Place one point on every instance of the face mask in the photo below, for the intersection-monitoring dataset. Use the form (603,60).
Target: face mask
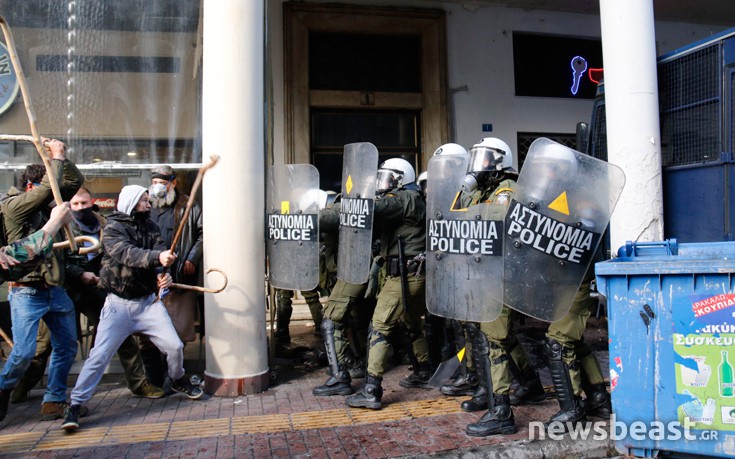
(86,216)
(141,216)
(158,190)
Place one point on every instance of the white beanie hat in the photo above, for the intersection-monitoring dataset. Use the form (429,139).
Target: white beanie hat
(129,197)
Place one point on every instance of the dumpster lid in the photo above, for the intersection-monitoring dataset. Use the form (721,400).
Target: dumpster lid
(670,257)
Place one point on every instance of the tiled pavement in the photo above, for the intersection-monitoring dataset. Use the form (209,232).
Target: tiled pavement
(284,421)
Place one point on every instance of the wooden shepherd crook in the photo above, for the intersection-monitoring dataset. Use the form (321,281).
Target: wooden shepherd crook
(187,210)
(10,43)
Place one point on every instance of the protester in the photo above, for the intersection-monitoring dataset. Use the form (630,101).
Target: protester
(40,293)
(133,251)
(167,210)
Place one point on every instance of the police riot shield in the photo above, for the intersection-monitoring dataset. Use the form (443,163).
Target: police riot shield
(292,226)
(464,256)
(359,172)
(559,212)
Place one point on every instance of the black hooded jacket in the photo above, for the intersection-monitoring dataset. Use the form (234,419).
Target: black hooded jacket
(130,261)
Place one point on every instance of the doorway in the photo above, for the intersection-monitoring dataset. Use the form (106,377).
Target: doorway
(363,74)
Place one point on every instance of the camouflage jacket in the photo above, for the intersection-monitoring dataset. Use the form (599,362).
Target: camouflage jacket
(130,259)
(30,252)
(26,212)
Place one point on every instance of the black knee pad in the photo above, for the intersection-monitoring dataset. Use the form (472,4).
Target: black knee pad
(553,349)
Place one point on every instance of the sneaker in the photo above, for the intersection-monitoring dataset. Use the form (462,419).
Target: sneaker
(72,413)
(51,411)
(184,386)
(148,390)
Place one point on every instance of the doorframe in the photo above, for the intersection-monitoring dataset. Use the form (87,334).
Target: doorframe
(428,24)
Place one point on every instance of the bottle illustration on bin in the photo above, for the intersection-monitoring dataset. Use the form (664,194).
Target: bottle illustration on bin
(726,377)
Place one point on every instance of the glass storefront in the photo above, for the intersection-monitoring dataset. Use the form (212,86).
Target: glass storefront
(119,81)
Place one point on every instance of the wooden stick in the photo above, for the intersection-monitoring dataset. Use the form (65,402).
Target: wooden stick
(196,288)
(6,338)
(17,138)
(95,247)
(194,188)
(10,43)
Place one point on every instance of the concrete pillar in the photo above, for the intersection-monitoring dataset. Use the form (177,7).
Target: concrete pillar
(233,195)
(633,133)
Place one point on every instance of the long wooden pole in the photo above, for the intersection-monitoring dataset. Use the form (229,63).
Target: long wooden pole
(194,188)
(36,137)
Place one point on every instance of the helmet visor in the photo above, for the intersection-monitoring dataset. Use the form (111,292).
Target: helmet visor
(386,180)
(485,159)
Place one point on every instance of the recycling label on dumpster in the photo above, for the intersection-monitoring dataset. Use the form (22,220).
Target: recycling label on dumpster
(703,340)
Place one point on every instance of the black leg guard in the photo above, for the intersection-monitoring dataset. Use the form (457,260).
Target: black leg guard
(328,327)
(339,381)
(370,396)
(435,337)
(570,406)
(284,310)
(497,421)
(482,398)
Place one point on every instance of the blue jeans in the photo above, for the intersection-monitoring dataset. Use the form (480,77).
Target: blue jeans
(27,307)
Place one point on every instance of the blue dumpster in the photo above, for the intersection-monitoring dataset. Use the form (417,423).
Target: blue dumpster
(671,323)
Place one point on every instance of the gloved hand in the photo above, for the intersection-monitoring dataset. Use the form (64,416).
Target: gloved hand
(374,277)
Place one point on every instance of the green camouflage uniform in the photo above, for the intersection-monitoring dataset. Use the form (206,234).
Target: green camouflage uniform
(30,251)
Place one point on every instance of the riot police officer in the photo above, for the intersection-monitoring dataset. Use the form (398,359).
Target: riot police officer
(573,367)
(340,313)
(491,179)
(400,212)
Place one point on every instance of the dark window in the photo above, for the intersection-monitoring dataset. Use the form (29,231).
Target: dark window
(543,65)
(394,133)
(352,62)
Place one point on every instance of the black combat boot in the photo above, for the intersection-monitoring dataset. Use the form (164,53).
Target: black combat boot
(369,396)
(335,385)
(529,390)
(462,385)
(498,421)
(478,402)
(4,401)
(419,378)
(597,402)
